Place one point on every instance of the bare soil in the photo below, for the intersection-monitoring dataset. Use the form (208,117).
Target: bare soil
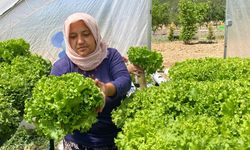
(177,51)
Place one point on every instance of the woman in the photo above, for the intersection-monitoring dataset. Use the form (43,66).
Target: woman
(89,55)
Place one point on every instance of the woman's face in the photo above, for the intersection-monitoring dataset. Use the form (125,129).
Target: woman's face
(81,39)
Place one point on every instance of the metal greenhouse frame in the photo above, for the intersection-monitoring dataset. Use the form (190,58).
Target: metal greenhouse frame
(237,37)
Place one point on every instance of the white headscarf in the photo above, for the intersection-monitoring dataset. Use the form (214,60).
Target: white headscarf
(95,58)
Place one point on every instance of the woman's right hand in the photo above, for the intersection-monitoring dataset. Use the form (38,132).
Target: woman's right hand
(132,68)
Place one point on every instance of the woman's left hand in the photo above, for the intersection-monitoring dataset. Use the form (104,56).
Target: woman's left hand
(101,85)
(108,89)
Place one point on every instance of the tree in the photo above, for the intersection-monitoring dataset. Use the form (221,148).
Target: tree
(216,10)
(215,13)
(190,13)
(210,35)
(159,14)
(172,27)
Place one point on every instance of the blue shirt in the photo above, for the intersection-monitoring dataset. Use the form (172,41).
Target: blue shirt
(112,69)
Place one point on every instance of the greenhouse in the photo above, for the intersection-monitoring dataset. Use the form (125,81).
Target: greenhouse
(124,75)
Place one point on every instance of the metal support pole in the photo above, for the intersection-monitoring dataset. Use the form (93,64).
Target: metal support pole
(228,23)
(225,41)
(149,23)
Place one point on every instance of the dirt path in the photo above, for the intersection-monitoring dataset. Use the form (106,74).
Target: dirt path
(177,51)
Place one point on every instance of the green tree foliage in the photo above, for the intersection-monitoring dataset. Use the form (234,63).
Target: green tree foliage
(210,35)
(215,13)
(190,13)
(171,32)
(173,11)
(159,14)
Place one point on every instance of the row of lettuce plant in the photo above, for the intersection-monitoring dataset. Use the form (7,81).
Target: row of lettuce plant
(211,69)
(19,72)
(198,111)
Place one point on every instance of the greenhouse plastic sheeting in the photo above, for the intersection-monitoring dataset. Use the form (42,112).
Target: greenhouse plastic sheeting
(238,11)
(123,23)
(6,4)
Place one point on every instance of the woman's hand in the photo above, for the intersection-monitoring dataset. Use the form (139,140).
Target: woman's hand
(134,69)
(108,89)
